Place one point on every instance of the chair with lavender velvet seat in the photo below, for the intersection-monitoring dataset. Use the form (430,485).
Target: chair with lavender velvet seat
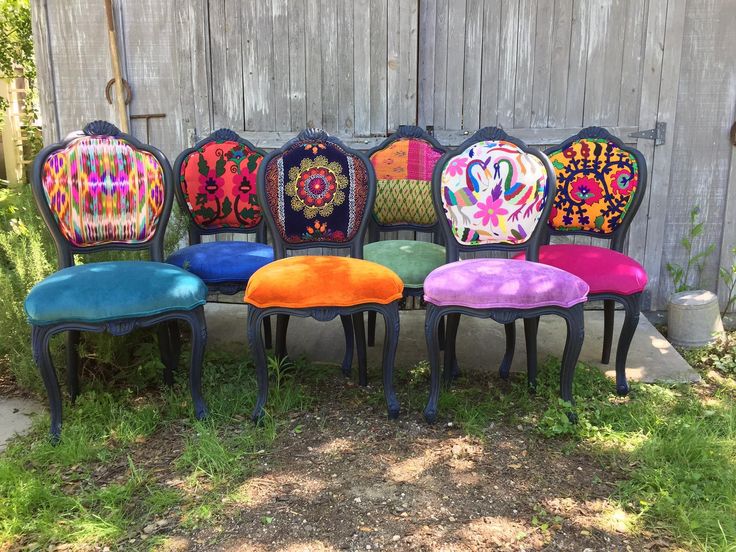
(98,190)
(600,185)
(491,194)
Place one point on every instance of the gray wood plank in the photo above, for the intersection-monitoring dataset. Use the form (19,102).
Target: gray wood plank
(394,61)
(280,66)
(425,91)
(44,71)
(328,31)
(507,63)
(313,52)
(559,63)
(455,65)
(362,66)
(227,60)
(378,55)
(525,63)
(473,65)
(409,23)
(346,100)
(577,63)
(632,62)
(542,63)
(297,64)
(490,73)
(440,63)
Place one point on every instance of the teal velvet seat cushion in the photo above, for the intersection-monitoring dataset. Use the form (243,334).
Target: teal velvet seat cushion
(98,292)
(411,260)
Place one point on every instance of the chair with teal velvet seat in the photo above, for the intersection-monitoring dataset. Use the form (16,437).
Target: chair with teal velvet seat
(404,163)
(101,189)
(216,188)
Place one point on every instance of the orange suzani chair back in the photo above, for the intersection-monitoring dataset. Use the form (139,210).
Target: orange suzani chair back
(600,184)
(217,182)
(102,187)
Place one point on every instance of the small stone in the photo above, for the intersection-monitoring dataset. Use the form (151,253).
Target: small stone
(162,522)
(357,499)
(452,518)
(150,528)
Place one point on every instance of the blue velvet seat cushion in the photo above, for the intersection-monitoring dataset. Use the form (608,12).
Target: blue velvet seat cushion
(98,292)
(223,261)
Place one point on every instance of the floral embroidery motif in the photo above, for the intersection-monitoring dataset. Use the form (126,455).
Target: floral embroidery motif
(102,190)
(316,187)
(219,184)
(596,183)
(493,192)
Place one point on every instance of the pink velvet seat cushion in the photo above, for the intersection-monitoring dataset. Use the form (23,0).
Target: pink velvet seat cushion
(604,270)
(503,283)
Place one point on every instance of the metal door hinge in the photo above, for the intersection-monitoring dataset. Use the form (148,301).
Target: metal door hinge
(658,134)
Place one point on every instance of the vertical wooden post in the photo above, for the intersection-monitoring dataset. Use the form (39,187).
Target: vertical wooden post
(12,139)
(117,73)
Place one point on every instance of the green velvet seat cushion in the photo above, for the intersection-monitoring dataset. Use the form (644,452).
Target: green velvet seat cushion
(411,260)
(98,292)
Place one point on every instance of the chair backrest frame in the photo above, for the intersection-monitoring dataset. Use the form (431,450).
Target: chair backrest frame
(66,249)
(280,245)
(453,248)
(405,132)
(618,236)
(195,230)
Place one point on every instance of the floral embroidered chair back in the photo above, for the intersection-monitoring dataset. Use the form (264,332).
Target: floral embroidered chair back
(102,187)
(404,165)
(317,192)
(493,190)
(217,183)
(600,184)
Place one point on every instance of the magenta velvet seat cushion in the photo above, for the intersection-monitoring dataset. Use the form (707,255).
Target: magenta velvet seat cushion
(503,283)
(604,270)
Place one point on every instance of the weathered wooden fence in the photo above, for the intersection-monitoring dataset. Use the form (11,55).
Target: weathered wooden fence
(542,69)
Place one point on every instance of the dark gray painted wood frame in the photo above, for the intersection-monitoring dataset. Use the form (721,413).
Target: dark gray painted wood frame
(168,333)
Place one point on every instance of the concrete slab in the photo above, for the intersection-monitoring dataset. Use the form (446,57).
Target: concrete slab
(15,413)
(480,343)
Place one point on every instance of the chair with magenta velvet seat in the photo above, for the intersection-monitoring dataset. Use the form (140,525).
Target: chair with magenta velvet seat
(101,189)
(600,185)
(216,188)
(404,163)
(316,192)
(492,193)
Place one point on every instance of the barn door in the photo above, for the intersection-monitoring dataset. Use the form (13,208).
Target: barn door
(544,69)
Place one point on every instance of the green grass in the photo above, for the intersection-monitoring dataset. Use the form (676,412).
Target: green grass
(674,446)
(93,488)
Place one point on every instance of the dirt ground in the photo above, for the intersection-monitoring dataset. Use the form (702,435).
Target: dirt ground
(343,478)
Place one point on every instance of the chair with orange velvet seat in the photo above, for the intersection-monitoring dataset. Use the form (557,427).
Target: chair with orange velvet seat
(600,185)
(316,192)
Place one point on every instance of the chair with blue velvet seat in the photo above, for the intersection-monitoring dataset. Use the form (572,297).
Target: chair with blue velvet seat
(493,193)
(99,190)
(216,188)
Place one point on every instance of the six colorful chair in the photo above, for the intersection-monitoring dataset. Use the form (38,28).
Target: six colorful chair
(492,194)
(600,185)
(101,189)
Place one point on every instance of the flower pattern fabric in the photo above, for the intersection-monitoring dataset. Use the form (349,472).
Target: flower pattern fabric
(404,182)
(596,183)
(493,192)
(103,190)
(219,184)
(317,192)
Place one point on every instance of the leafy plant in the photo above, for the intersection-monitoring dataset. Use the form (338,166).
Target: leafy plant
(681,276)
(728,277)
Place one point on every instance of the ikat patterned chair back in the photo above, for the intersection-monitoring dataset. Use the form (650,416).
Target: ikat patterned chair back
(600,183)
(317,190)
(102,187)
(217,182)
(404,165)
(492,191)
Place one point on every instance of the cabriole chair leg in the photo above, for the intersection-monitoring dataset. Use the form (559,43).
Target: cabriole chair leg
(360,348)
(282,325)
(347,361)
(259,358)
(609,311)
(632,307)
(40,343)
(531,326)
(573,344)
(508,356)
(431,327)
(391,341)
(450,364)
(199,341)
(371,328)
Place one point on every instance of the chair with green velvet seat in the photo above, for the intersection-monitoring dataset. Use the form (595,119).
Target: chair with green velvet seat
(101,189)
(404,163)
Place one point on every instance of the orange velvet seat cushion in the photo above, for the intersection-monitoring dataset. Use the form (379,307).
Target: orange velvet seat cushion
(324,281)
